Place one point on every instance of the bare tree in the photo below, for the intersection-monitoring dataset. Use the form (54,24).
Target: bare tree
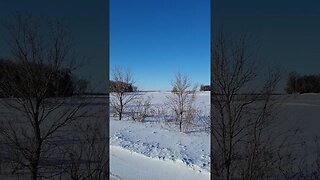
(122,91)
(182,100)
(242,116)
(140,109)
(42,51)
(162,113)
(87,155)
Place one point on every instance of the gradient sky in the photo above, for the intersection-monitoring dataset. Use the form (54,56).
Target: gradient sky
(157,38)
(288,31)
(87,21)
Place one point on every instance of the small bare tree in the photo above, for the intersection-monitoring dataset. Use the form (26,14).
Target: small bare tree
(182,99)
(37,114)
(162,113)
(140,109)
(121,91)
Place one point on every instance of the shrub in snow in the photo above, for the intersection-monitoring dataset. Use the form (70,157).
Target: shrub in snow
(140,109)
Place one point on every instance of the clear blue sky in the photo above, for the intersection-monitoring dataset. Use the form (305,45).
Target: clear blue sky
(288,31)
(157,38)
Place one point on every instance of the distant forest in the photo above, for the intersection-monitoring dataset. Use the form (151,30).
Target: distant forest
(62,82)
(205,88)
(297,83)
(116,86)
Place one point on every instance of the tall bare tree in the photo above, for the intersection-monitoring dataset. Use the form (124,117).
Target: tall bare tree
(242,115)
(182,99)
(122,90)
(41,51)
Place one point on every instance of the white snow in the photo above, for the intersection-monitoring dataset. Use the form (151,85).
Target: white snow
(302,110)
(155,150)
(126,164)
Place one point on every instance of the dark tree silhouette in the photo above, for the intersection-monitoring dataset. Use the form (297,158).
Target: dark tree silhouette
(39,70)
(302,84)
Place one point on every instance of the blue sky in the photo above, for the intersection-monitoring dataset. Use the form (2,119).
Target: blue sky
(157,38)
(287,31)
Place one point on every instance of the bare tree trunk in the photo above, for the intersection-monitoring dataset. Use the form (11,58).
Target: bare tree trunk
(180,121)
(34,164)
(36,154)
(121,108)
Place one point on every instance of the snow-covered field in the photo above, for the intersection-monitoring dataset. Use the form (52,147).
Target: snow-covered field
(303,111)
(156,150)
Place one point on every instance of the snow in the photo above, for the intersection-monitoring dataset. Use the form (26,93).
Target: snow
(126,164)
(153,149)
(302,110)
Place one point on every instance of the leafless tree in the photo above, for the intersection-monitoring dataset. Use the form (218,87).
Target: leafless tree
(182,100)
(249,141)
(140,109)
(202,122)
(122,89)
(162,112)
(242,116)
(87,156)
(37,118)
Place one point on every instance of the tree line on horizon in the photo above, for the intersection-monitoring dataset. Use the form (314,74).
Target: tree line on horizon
(128,87)
(62,83)
(297,83)
(205,88)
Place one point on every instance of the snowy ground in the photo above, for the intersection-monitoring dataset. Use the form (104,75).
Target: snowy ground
(139,167)
(303,111)
(152,149)
(68,137)
(155,150)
